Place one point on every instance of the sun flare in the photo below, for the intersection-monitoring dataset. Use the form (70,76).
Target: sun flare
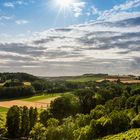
(65,3)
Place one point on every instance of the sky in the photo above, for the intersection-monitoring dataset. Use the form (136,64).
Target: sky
(70,37)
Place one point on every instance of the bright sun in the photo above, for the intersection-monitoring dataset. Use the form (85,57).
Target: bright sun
(65,3)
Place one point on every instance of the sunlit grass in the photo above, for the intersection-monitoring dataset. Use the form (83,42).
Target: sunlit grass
(3,110)
(27,83)
(41,97)
(84,79)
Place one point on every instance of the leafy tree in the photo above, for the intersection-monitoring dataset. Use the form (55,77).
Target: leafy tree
(135,122)
(13,122)
(38,85)
(25,122)
(82,133)
(38,132)
(135,91)
(44,116)
(95,129)
(68,127)
(87,100)
(137,103)
(53,131)
(64,106)
(120,121)
(33,114)
(98,112)
(82,120)
(130,102)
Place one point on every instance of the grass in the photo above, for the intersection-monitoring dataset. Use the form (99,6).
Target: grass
(1,84)
(27,83)
(41,97)
(34,98)
(84,79)
(133,134)
(3,109)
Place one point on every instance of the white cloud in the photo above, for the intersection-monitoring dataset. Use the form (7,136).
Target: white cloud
(96,46)
(6,17)
(120,11)
(127,5)
(14,3)
(94,10)
(9,4)
(19,22)
(78,8)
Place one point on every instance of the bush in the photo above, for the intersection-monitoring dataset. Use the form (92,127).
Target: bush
(135,123)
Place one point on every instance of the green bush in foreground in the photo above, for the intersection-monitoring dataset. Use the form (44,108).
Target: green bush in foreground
(133,134)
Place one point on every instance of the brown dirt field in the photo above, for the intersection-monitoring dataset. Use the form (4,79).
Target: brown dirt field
(39,104)
(131,82)
(125,81)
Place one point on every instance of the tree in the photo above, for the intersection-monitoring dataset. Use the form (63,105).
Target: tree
(64,106)
(25,122)
(13,122)
(120,121)
(44,116)
(68,127)
(135,123)
(87,100)
(137,103)
(38,85)
(82,133)
(38,132)
(53,131)
(32,116)
(98,112)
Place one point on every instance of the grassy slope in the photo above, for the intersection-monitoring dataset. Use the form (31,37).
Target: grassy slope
(133,134)
(84,79)
(3,111)
(41,97)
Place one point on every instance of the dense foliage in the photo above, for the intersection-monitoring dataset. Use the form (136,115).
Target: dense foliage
(16,92)
(91,111)
(20,76)
(20,120)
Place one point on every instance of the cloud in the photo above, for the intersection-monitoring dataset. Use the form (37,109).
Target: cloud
(95,11)
(6,17)
(110,44)
(127,5)
(19,22)
(109,47)
(120,12)
(9,4)
(78,8)
(14,3)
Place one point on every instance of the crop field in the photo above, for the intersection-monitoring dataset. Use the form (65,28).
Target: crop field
(133,134)
(125,80)
(42,101)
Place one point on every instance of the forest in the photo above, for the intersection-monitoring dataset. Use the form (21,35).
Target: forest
(86,110)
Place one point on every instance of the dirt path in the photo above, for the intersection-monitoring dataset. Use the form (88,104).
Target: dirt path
(45,103)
